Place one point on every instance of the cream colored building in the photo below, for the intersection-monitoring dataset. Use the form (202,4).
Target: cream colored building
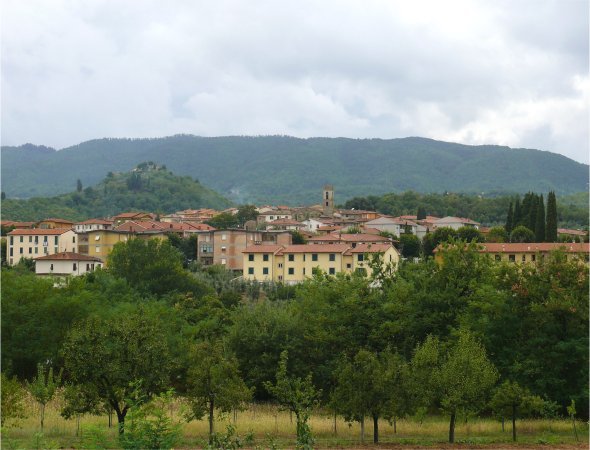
(294,263)
(32,243)
(66,264)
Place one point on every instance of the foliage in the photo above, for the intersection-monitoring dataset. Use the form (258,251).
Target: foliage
(224,221)
(269,169)
(497,234)
(214,382)
(13,398)
(297,395)
(111,354)
(410,245)
(143,189)
(551,227)
(297,238)
(469,234)
(229,440)
(43,388)
(522,234)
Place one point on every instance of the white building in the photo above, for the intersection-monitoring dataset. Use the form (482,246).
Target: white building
(455,223)
(66,264)
(93,225)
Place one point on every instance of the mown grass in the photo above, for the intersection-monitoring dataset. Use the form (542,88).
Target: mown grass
(269,425)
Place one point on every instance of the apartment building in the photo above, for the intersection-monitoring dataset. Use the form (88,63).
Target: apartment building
(295,263)
(32,243)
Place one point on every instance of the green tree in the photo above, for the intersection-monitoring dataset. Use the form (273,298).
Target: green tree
(517,214)
(470,234)
(522,234)
(79,401)
(540,221)
(440,235)
(298,396)
(497,234)
(110,355)
(13,400)
(551,226)
(297,238)
(421,214)
(42,389)
(214,382)
(410,245)
(246,213)
(152,266)
(224,221)
(78,185)
(511,400)
(509,220)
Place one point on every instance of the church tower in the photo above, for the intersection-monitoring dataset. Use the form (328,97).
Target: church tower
(328,200)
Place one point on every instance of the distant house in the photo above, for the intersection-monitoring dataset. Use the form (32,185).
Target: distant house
(136,216)
(285,224)
(350,239)
(455,223)
(32,243)
(54,223)
(572,235)
(66,264)
(93,225)
(272,215)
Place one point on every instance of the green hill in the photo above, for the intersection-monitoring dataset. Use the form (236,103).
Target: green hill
(147,188)
(281,169)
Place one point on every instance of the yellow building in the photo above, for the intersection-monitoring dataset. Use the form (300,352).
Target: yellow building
(32,243)
(294,263)
(526,252)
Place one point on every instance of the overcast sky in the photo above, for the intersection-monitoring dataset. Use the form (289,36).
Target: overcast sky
(477,72)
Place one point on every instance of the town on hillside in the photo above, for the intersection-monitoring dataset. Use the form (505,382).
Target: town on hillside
(273,243)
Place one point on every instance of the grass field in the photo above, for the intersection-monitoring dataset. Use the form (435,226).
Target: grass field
(272,427)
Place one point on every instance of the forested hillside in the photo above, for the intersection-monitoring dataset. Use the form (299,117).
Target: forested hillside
(147,188)
(281,169)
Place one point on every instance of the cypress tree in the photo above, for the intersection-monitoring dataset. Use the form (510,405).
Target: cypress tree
(540,221)
(551,225)
(517,214)
(509,220)
(421,213)
(532,216)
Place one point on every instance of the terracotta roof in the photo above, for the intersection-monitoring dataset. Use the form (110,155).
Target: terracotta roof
(12,223)
(316,248)
(572,232)
(285,222)
(360,237)
(450,219)
(324,238)
(95,222)
(55,219)
(535,247)
(370,248)
(131,215)
(67,256)
(263,249)
(39,231)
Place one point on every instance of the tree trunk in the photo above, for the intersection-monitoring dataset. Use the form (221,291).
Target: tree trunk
(394,425)
(211,412)
(452,428)
(335,430)
(42,416)
(575,431)
(110,417)
(502,424)
(514,422)
(375,429)
(121,419)
(77,424)
(363,429)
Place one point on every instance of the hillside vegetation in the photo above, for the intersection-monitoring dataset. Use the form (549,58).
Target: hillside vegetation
(281,169)
(148,188)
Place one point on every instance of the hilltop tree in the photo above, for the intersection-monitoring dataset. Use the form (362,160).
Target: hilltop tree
(78,185)
(421,214)
(551,226)
(497,234)
(522,234)
(517,220)
(43,388)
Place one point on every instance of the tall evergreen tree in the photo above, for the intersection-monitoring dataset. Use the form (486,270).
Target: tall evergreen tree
(540,221)
(551,226)
(532,216)
(421,214)
(509,220)
(517,214)
(78,185)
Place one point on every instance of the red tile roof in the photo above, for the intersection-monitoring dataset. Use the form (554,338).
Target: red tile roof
(38,231)
(316,248)
(572,232)
(370,248)
(285,222)
(535,247)
(263,249)
(53,219)
(68,256)
(95,222)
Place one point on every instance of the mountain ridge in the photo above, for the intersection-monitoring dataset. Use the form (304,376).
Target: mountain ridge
(284,169)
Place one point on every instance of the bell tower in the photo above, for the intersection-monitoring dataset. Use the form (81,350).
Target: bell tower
(328,200)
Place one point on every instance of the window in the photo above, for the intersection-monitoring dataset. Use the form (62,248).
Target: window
(74,266)
(314,256)
(512,258)
(11,251)
(304,271)
(55,240)
(98,266)
(44,238)
(87,267)
(498,258)
(360,257)
(11,240)
(523,258)
(250,270)
(21,238)
(304,257)
(280,265)
(97,249)
(223,261)
(332,256)
(265,271)
(349,266)
(265,257)
(291,258)
(223,237)
(327,197)
(51,267)
(332,271)
(292,271)
(73,239)
(30,250)
(533,258)
(21,250)
(250,257)
(31,238)
(36,250)
(223,248)
(280,278)
(97,238)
